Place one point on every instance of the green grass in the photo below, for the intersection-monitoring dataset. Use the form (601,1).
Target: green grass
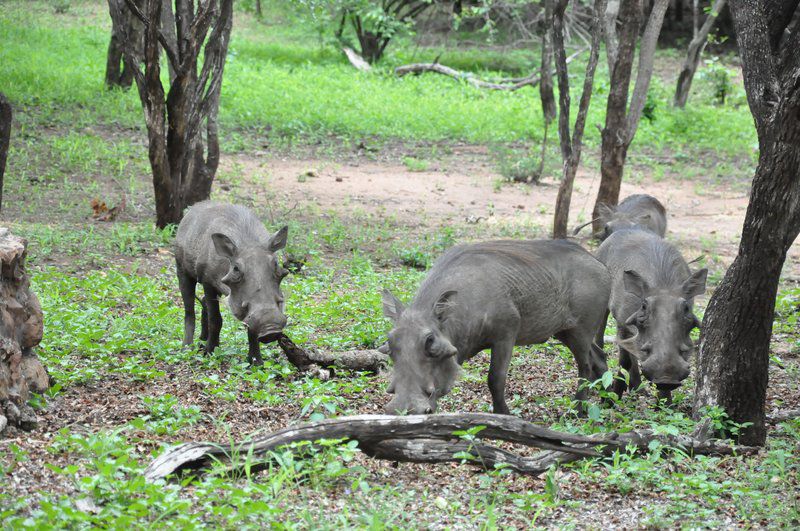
(307,92)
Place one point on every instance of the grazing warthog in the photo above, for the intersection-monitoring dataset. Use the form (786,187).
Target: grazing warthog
(494,295)
(639,211)
(651,299)
(227,249)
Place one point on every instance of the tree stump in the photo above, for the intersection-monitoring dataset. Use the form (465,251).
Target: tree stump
(21,327)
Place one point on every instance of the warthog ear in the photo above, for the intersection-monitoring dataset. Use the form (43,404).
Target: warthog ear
(635,284)
(224,245)
(278,240)
(392,307)
(443,308)
(440,347)
(696,284)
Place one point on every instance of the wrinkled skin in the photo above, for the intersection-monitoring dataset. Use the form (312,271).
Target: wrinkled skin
(652,296)
(227,249)
(494,295)
(638,211)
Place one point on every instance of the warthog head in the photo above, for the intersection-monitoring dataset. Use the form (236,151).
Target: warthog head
(425,361)
(254,279)
(658,331)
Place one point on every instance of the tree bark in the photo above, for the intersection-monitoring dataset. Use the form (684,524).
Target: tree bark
(5,138)
(429,438)
(622,118)
(693,54)
(571,147)
(21,328)
(734,344)
(182,123)
(126,31)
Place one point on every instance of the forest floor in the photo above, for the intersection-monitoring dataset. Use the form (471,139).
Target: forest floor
(184,396)
(373,191)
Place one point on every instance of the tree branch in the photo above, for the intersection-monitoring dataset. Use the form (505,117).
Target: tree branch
(644,72)
(501,84)
(162,39)
(429,438)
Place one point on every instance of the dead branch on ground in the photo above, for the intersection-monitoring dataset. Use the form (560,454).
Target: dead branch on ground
(431,439)
(510,84)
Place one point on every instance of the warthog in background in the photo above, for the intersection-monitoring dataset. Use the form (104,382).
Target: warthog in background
(227,249)
(639,211)
(651,300)
(494,295)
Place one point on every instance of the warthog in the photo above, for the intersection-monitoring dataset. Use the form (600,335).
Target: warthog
(640,211)
(651,300)
(227,249)
(494,295)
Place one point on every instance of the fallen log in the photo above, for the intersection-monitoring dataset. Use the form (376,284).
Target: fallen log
(430,439)
(510,84)
(353,360)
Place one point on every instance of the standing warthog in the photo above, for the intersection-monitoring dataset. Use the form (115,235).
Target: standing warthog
(227,249)
(651,300)
(494,295)
(639,211)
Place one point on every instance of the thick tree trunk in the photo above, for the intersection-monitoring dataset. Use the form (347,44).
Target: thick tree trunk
(5,139)
(736,331)
(693,54)
(21,327)
(734,347)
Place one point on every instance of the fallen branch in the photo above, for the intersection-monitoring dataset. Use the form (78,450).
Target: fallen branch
(429,438)
(509,84)
(356,60)
(354,360)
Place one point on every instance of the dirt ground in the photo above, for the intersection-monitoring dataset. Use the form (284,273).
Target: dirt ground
(703,217)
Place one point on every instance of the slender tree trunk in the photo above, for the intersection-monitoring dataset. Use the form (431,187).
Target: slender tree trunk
(571,148)
(5,138)
(126,30)
(734,344)
(168,27)
(546,94)
(693,54)
(622,119)
(614,145)
(259,12)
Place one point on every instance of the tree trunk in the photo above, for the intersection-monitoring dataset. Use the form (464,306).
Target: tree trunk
(622,118)
(614,147)
(126,30)
(259,12)
(5,138)
(182,124)
(571,147)
(693,54)
(21,327)
(734,344)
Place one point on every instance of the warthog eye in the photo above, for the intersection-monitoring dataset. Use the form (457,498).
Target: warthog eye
(429,343)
